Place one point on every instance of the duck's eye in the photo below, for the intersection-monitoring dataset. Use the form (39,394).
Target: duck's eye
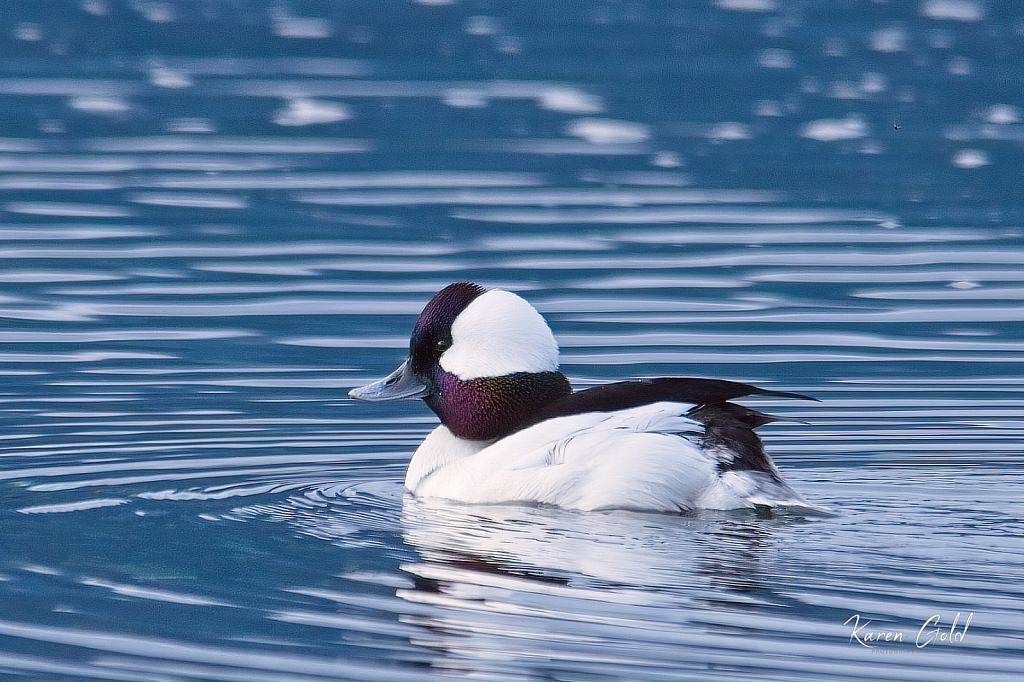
(442,345)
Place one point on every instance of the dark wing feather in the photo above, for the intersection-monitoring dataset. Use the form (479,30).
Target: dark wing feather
(729,435)
(626,394)
(728,428)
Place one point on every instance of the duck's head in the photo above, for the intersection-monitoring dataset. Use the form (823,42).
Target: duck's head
(482,360)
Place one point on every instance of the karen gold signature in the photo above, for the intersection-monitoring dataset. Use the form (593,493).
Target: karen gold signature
(931,632)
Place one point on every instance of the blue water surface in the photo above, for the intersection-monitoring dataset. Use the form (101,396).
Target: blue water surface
(217,217)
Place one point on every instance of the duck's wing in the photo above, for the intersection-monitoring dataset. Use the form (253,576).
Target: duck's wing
(627,394)
(657,405)
(747,474)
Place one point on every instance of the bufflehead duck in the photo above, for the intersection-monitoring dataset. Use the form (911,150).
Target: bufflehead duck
(514,431)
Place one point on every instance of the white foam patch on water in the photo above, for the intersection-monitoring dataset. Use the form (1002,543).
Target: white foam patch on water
(347,342)
(481,25)
(28,32)
(570,101)
(852,127)
(755,357)
(174,79)
(20,146)
(971,158)
(97,8)
(960,66)
(873,83)
(844,89)
(96,104)
(222,289)
(465,98)
(1003,114)
(603,131)
(229,145)
(869,274)
(557,147)
(538,197)
(190,201)
(730,131)
(387,179)
(769,107)
(870,85)
(156,11)
(66,163)
(190,125)
(748,5)
(986,131)
(596,304)
(545,243)
(306,28)
(291,87)
(73,184)
(955,291)
(903,315)
(52,275)
(666,159)
(53,208)
(776,58)
(658,281)
(638,177)
(73,87)
(813,339)
(83,356)
(563,98)
(140,592)
(746,235)
(120,335)
(236,66)
(785,264)
(284,306)
(73,506)
(304,112)
(889,40)
(660,215)
(956,10)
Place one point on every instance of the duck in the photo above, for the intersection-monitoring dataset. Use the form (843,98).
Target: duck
(514,431)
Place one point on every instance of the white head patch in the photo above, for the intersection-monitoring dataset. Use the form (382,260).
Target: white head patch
(497,334)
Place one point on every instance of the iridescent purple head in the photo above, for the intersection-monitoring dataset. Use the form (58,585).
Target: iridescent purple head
(483,361)
(432,334)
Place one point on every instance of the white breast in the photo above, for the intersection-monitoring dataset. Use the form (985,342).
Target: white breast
(645,458)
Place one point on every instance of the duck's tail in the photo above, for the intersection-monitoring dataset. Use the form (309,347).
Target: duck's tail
(747,472)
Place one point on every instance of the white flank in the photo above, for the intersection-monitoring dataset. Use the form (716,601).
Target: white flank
(630,459)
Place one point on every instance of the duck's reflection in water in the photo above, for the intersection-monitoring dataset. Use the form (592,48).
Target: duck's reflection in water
(497,591)
(501,578)
(722,550)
